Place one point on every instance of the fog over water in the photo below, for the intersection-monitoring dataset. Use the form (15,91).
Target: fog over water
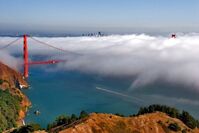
(155,69)
(146,58)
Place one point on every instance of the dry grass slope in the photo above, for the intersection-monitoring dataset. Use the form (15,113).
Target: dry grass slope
(107,123)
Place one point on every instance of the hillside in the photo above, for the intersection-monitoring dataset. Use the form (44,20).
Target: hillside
(157,122)
(12,98)
(11,76)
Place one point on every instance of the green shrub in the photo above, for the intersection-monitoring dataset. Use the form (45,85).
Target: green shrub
(118,114)
(62,120)
(9,108)
(185,117)
(66,120)
(83,114)
(28,128)
(24,129)
(73,118)
(188,120)
(162,108)
(184,131)
(174,127)
(1,81)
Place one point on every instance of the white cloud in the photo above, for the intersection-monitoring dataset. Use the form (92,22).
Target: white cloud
(10,60)
(146,58)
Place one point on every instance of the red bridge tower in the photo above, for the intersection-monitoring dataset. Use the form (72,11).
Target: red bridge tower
(25,56)
(26,61)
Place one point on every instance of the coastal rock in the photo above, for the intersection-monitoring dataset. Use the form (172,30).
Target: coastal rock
(11,76)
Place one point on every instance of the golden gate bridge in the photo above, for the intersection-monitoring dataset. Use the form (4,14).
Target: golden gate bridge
(26,61)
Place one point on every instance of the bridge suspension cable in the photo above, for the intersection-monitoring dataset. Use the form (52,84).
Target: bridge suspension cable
(25,53)
(10,43)
(54,47)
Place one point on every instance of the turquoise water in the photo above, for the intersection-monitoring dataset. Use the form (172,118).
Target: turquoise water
(56,93)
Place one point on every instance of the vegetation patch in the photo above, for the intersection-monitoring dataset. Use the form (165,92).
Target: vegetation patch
(66,120)
(184,131)
(121,115)
(164,127)
(1,81)
(174,127)
(9,108)
(27,129)
(185,117)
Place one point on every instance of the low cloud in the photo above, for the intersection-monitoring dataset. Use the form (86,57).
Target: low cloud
(146,58)
(8,59)
(143,57)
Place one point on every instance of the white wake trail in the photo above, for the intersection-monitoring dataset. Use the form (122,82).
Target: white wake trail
(135,99)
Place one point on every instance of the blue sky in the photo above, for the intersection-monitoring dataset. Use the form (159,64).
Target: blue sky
(61,16)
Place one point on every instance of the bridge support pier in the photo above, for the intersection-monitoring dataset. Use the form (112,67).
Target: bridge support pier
(25,56)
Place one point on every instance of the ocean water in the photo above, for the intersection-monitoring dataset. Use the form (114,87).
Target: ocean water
(67,92)
(56,93)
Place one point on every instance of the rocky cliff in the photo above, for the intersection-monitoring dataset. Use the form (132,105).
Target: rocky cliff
(11,77)
(107,123)
(13,80)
